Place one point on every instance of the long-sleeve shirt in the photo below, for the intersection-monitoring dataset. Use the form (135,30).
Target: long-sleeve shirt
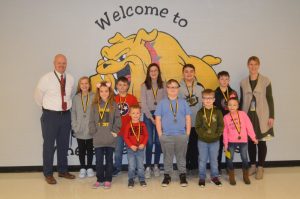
(124,104)
(147,98)
(231,134)
(131,139)
(101,128)
(48,94)
(213,132)
(80,119)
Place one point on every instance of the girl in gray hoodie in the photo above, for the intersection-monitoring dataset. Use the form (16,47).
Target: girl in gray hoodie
(80,115)
(104,124)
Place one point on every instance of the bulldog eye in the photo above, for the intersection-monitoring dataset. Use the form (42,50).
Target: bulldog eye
(121,58)
(105,59)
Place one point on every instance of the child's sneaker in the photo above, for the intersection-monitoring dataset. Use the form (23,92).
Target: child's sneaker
(130,183)
(107,185)
(96,185)
(183,181)
(148,173)
(166,181)
(143,183)
(216,181)
(82,173)
(202,183)
(156,171)
(90,173)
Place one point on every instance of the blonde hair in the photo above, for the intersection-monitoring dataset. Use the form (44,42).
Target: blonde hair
(97,97)
(78,85)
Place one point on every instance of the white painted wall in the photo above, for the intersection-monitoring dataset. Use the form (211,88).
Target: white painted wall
(32,32)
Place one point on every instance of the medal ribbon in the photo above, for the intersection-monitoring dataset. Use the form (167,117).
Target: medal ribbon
(101,113)
(154,92)
(136,135)
(237,125)
(187,88)
(86,103)
(172,109)
(210,117)
(226,97)
(122,103)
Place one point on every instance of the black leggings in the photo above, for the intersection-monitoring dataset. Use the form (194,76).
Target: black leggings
(192,151)
(85,147)
(262,152)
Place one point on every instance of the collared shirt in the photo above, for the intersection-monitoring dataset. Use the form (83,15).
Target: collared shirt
(48,94)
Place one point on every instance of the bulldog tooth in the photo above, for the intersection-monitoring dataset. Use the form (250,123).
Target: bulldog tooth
(102,77)
(115,75)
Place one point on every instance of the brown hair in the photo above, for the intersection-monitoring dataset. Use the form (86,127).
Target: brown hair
(253,58)
(135,106)
(170,81)
(97,99)
(78,85)
(188,66)
(208,91)
(223,73)
(148,80)
(122,79)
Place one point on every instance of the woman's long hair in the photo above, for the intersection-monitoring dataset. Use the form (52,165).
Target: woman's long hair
(148,80)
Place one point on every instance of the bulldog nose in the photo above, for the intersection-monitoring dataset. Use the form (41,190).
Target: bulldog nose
(105,65)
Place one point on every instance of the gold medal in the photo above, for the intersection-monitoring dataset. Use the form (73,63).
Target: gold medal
(191,100)
(86,102)
(226,97)
(154,94)
(237,124)
(101,113)
(136,135)
(172,109)
(210,116)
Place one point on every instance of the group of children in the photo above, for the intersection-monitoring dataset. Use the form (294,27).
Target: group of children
(107,122)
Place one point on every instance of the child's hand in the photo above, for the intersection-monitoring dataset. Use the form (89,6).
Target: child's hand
(134,148)
(255,141)
(114,134)
(141,146)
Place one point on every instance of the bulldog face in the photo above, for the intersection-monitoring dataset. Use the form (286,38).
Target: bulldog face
(130,57)
(124,57)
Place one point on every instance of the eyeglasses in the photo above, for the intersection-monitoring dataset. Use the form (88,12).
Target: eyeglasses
(208,98)
(172,87)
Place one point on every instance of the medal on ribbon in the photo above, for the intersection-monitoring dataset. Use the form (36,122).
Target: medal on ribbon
(138,134)
(101,112)
(154,94)
(210,118)
(174,111)
(84,107)
(237,125)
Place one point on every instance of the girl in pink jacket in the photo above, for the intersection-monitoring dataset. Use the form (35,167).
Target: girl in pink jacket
(237,128)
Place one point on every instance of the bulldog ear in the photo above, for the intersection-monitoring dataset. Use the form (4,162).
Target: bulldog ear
(116,39)
(142,35)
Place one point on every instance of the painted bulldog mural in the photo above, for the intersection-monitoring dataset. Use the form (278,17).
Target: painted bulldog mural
(130,56)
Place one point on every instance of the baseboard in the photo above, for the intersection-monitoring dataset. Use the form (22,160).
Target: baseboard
(20,169)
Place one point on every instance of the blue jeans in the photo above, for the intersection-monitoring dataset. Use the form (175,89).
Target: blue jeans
(119,153)
(136,161)
(208,151)
(152,139)
(243,152)
(104,173)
